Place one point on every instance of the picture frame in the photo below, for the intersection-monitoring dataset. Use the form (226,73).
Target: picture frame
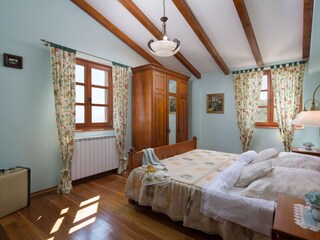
(172,105)
(215,103)
(13,61)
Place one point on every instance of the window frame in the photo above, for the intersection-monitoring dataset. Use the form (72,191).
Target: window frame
(88,125)
(270,106)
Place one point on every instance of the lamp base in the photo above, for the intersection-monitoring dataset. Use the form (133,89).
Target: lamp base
(308,148)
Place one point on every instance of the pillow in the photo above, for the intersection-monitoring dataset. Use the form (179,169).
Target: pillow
(253,172)
(290,181)
(265,155)
(294,160)
(247,156)
(231,174)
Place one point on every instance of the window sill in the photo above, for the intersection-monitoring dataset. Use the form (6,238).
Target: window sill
(276,127)
(267,127)
(94,133)
(94,129)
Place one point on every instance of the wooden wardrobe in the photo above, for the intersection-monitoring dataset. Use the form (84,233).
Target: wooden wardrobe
(159,107)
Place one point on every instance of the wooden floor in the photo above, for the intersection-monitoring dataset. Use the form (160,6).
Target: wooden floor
(94,210)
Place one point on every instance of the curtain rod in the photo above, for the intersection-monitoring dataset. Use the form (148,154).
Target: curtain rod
(271,66)
(47,43)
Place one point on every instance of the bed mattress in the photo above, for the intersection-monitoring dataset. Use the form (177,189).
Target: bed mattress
(180,199)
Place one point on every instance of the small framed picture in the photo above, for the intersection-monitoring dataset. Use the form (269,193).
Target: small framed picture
(14,61)
(215,103)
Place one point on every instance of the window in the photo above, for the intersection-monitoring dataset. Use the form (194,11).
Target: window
(93,96)
(266,116)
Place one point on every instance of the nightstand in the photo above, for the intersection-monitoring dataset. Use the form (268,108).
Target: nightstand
(284,227)
(314,151)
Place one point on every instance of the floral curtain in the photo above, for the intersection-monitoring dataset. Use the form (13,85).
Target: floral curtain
(287,83)
(120,75)
(63,62)
(247,86)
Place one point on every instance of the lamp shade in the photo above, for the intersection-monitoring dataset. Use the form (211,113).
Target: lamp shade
(164,48)
(307,118)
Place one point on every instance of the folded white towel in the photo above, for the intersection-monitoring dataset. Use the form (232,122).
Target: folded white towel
(149,157)
(160,177)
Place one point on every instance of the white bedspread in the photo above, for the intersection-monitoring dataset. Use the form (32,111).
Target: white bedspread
(221,199)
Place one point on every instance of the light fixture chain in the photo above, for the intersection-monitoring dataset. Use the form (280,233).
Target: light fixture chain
(164,19)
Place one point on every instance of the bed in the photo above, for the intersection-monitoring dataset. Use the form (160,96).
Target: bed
(196,192)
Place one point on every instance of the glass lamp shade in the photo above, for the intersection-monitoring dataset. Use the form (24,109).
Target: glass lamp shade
(307,118)
(164,48)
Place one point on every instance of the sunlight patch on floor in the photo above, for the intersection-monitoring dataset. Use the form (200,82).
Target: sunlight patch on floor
(87,208)
(57,225)
(63,211)
(91,200)
(82,225)
(86,212)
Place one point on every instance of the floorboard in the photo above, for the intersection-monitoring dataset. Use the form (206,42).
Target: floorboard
(93,210)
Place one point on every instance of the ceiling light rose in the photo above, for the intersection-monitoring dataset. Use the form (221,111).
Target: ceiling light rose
(164,47)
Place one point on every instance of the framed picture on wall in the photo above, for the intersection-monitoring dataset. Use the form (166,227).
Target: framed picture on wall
(14,61)
(215,103)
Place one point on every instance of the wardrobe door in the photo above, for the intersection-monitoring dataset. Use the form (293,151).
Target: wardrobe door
(172,109)
(142,114)
(183,111)
(159,110)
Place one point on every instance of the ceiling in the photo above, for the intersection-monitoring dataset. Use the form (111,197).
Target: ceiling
(215,35)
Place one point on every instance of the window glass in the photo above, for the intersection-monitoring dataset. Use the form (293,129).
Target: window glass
(99,96)
(79,114)
(79,94)
(264,82)
(99,77)
(99,114)
(262,115)
(263,100)
(275,115)
(79,74)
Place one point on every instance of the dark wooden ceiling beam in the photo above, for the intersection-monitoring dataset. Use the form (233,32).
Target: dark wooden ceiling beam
(113,29)
(246,23)
(307,27)
(142,18)
(186,12)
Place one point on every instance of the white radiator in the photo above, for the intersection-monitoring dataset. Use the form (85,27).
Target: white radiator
(94,155)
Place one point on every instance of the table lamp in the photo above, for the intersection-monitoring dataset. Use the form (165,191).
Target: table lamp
(309,118)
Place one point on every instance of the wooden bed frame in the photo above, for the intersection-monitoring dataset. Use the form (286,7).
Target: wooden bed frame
(135,158)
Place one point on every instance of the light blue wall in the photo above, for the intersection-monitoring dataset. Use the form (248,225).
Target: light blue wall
(28,135)
(220,131)
(214,131)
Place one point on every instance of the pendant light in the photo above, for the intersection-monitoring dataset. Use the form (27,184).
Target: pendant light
(164,47)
